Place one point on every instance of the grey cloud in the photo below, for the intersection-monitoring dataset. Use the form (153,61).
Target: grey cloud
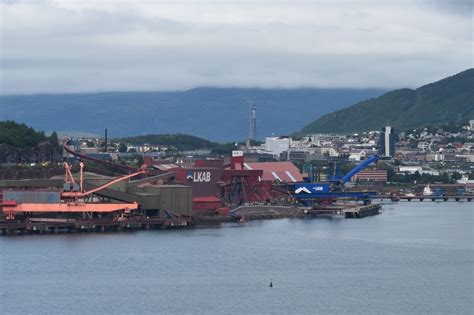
(68,49)
(460,7)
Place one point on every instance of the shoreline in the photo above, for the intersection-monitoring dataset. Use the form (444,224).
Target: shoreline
(40,226)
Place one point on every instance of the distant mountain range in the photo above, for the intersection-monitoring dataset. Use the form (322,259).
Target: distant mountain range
(217,114)
(447,100)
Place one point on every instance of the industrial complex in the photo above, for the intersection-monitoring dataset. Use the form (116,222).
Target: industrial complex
(161,194)
(268,180)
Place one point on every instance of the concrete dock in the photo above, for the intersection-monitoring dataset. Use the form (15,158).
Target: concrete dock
(348,211)
(56,225)
(467,198)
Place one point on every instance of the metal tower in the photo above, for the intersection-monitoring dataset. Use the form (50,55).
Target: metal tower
(253,122)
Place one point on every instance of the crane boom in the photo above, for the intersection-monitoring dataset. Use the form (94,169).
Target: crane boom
(333,188)
(371,159)
(80,194)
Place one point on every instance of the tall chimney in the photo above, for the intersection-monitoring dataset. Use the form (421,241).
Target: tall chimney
(253,122)
(105,143)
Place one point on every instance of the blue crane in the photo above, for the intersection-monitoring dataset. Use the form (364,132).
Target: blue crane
(333,188)
(337,184)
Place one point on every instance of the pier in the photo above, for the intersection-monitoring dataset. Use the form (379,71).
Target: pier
(460,198)
(57,225)
(350,212)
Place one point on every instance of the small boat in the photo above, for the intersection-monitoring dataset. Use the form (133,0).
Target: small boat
(427,191)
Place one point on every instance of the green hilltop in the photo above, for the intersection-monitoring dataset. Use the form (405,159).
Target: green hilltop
(20,143)
(22,136)
(448,100)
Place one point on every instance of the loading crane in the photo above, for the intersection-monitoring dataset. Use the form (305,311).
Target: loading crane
(335,187)
(72,198)
(71,189)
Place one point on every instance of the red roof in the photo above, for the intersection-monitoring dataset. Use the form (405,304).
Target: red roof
(272,171)
(165,167)
(206,199)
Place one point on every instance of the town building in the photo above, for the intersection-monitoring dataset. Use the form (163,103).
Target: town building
(387,141)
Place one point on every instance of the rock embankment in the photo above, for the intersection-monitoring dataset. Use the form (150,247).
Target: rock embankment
(42,152)
(248,213)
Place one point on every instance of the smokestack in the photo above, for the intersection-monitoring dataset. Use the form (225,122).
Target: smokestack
(253,122)
(105,144)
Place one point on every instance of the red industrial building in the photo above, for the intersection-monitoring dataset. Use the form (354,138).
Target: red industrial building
(284,172)
(217,185)
(371,175)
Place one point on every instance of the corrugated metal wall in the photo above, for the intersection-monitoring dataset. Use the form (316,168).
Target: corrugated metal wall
(32,196)
(121,186)
(174,198)
(148,201)
(177,199)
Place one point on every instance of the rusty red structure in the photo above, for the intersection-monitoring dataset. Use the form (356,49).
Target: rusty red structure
(74,199)
(217,185)
(242,185)
(209,186)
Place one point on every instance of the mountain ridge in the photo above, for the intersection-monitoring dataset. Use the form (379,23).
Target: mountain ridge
(446,100)
(217,114)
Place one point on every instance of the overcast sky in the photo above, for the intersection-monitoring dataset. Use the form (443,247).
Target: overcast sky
(123,45)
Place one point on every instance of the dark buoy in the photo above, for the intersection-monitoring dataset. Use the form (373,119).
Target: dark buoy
(271,283)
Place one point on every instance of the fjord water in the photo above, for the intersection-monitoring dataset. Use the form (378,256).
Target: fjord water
(413,258)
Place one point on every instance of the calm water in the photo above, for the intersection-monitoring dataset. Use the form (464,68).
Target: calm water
(413,258)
